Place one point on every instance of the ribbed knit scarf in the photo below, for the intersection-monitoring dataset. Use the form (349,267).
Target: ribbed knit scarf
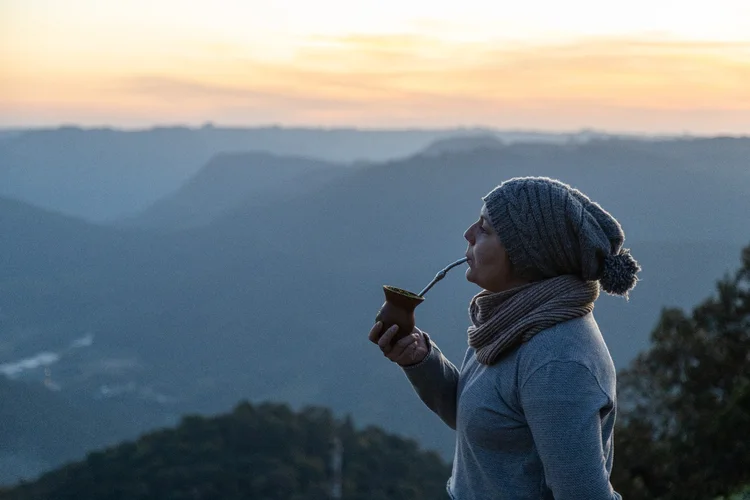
(502,320)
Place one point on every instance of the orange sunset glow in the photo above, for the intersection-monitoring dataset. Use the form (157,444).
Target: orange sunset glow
(637,67)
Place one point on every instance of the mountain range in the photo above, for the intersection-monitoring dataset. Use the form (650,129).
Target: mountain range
(259,277)
(104,174)
(233,179)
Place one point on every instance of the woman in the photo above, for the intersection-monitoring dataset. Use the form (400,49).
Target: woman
(533,404)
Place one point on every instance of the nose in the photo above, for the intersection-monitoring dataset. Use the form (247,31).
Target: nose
(469,234)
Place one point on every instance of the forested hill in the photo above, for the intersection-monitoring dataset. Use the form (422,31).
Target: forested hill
(259,451)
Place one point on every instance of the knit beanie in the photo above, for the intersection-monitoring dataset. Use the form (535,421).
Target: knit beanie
(549,229)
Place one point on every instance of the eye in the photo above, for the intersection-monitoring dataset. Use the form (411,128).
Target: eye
(482,229)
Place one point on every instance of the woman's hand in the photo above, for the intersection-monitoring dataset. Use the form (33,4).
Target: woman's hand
(410,350)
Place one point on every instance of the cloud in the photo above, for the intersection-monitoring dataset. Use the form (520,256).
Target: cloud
(408,68)
(412,79)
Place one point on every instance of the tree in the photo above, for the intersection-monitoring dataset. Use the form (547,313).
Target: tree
(684,427)
(265,451)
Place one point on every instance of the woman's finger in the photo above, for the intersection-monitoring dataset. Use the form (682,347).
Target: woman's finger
(406,341)
(402,346)
(414,351)
(385,339)
(375,332)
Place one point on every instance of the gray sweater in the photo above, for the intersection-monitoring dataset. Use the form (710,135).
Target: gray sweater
(538,424)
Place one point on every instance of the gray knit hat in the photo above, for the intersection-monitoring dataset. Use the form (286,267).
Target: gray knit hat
(549,229)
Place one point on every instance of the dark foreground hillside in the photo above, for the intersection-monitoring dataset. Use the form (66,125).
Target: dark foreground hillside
(262,451)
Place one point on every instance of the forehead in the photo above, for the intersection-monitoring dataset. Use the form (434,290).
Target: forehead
(483,212)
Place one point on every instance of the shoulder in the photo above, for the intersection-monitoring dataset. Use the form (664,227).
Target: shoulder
(576,343)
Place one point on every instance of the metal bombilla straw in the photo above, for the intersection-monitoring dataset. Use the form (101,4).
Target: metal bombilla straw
(441,275)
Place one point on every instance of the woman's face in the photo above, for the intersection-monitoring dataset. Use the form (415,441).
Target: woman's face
(489,265)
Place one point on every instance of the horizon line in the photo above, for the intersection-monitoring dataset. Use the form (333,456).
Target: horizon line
(209,124)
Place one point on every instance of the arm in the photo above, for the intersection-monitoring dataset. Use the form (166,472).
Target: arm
(562,401)
(435,379)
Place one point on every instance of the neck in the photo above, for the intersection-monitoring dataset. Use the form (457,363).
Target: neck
(508,285)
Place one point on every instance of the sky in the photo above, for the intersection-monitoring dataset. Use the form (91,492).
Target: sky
(644,66)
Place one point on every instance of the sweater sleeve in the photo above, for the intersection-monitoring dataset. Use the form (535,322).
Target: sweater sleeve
(435,380)
(562,401)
